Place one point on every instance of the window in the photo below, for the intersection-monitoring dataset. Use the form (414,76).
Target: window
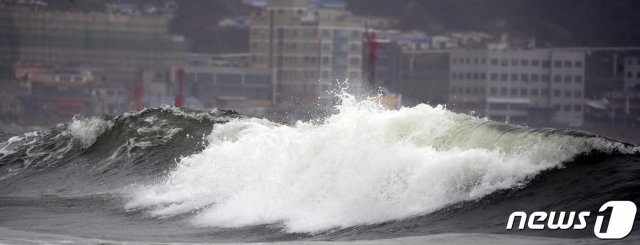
(454,60)
(514,91)
(544,92)
(453,75)
(557,92)
(453,90)
(546,78)
(504,77)
(568,78)
(566,108)
(534,92)
(578,64)
(504,62)
(524,77)
(535,77)
(535,63)
(557,64)
(577,108)
(354,47)
(493,91)
(514,77)
(524,92)
(494,76)
(546,64)
(524,62)
(494,61)
(568,63)
(514,62)
(354,61)
(208,77)
(557,78)
(577,94)
(503,91)
(629,75)
(567,93)
(577,79)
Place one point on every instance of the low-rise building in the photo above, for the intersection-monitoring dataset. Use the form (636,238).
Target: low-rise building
(545,85)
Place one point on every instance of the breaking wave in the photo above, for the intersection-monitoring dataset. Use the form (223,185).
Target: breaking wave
(363,165)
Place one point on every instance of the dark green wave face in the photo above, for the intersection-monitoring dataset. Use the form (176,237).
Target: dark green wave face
(176,175)
(98,153)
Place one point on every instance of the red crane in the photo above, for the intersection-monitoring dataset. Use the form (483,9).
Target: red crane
(370,39)
(180,97)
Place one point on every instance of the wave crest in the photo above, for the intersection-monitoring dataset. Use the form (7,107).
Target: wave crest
(363,165)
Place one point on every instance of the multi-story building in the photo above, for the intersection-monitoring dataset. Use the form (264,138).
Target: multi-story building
(306,46)
(245,89)
(545,85)
(122,44)
(632,73)
(425,77)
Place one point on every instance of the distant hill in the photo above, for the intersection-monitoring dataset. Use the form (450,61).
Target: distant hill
(554,23)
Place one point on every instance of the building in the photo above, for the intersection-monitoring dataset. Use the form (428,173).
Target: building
(244,89)
(425,77)
(12,107)
(121,43)
(307,46)
(534,85)
(632,73)
(111,99)
(385,68)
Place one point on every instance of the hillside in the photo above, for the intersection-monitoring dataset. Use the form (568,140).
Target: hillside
(552,22)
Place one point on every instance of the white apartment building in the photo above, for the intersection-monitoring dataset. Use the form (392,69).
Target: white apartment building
(631,73)
(519,85)
(307,47)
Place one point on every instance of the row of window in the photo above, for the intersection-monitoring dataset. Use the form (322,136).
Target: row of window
(514,77)
(308,32)
(567,93)
(312,60)
(630,75)
(557,107)
(518,62)
(567,107)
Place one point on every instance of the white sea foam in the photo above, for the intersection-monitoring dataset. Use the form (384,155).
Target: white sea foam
(87,130)
(363,165)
